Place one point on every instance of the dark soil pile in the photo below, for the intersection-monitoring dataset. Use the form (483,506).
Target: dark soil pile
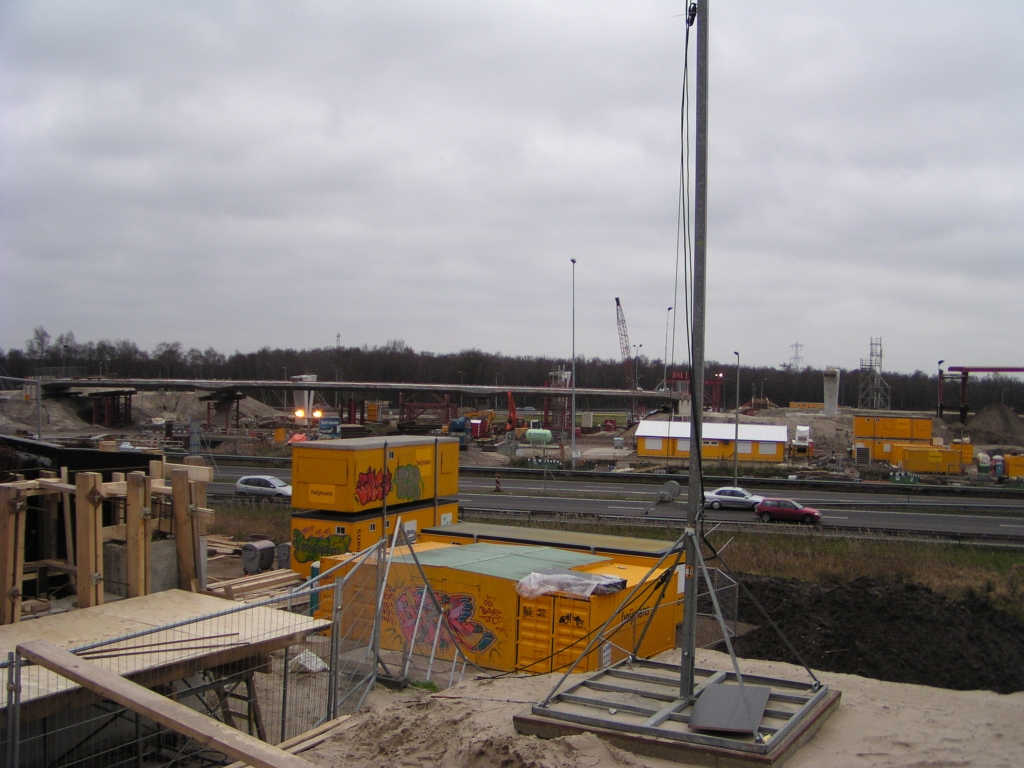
(902,633)
(996,424)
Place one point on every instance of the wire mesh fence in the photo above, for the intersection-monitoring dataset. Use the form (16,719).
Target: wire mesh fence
(273,669)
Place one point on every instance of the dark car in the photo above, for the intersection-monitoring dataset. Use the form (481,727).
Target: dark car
(786,509)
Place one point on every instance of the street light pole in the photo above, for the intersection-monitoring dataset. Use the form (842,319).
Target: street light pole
(736,436)
(573,425)
(664,373)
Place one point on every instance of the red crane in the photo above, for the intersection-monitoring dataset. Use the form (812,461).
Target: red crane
(627,359)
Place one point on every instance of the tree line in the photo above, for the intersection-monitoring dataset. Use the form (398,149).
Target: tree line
(396,361)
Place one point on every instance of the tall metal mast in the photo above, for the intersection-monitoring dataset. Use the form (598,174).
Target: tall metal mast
(695,498)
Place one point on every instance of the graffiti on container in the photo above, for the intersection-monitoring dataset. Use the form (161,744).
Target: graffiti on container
(571,618)
(373,485)
(458,610)
(492,614)
(408,483)
(310,548)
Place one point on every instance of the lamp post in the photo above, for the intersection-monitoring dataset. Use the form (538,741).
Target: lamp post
(462,381)
(664,373)
(736,436)
(573,410)
(636,365)
(938,409)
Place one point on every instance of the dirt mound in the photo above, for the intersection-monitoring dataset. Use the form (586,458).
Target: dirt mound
(182,406)
(996,424)
(903,633)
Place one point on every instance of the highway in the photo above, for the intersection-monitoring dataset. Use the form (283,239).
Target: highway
(966,516)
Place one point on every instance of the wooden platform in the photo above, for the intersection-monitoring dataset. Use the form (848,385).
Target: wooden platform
(156,658)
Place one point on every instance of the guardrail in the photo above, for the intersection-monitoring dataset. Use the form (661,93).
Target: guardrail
(755,483)
(674,524)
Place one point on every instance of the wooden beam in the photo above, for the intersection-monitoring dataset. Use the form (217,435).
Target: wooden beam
(48,519)
(61,485)
(89,531)
(115,489)
(194,473)
(135,534)
(12,553)
(69,537)
(184,532)
(115,532)
(179,718)
(156,469)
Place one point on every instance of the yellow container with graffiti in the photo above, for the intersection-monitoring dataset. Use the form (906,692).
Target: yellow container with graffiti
(496,627)
(317,535)
(354,475)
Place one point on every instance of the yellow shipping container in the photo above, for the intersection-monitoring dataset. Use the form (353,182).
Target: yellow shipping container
(351,476)
(928,460)
(1013,466)
(499,629)
(892,428)
(316,535)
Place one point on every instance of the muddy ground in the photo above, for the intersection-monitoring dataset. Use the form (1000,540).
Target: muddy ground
(902,633)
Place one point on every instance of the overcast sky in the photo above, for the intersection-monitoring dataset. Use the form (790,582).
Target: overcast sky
(249,174)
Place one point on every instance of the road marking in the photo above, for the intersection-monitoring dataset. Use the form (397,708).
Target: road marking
(834,517)
(633,509)
(1008,525)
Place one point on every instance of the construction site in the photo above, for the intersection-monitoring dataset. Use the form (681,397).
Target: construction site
(243,568)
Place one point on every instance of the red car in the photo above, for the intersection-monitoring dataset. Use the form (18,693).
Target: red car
(786,509)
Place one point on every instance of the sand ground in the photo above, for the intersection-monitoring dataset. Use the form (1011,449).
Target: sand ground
(877,724)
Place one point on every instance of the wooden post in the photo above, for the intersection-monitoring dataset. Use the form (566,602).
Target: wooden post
(136,562)
(89,530)
(12,553)
(48,520)
(150,524)
(183,531)
(69,534)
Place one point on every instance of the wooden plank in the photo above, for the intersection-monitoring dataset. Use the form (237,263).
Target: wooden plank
(194,473)
(89,530)
(135,531)
(156,469)
(115,489)
(168,713)
(47,484)
(114,533)
(184,532)
(306,740)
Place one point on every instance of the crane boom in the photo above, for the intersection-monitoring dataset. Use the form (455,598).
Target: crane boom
(627,358)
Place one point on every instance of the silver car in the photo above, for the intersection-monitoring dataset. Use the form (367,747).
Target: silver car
(736,498)
(263,485)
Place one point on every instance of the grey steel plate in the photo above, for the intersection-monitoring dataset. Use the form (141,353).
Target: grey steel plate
(730,708)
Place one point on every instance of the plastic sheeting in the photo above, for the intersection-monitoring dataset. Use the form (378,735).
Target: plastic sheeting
(570,582)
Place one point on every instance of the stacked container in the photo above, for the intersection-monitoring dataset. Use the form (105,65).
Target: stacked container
(346,494)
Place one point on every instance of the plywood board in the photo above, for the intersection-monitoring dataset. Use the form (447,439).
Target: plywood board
(167,712)
(238,635)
